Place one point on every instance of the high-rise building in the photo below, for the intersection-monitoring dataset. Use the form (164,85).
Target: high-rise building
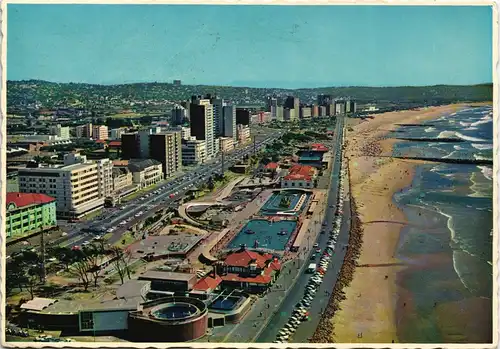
(84,131)
(177,82)
(229,124)
(292,103)
(322,111)
(167,148)
(74,186)
(193,152)
(242,116)
(105,177)
(243,133)
(272,106)
(217,105)
(116,133)
(100,132)
(279,113)
(201,122)
(330,109)
(62,132)
(339,107)
(130,147)
(179,115)
(324,100)
(315,111)
(305,112)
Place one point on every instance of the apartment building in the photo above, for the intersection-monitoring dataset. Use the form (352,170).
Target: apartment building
(116,133)
(242,116)
(62,132)
(100,132)
(194,152)
(84,131)
(218,105)
(227,144)
(243,134)
(145,172)
(202,123)
(74,186)
(105,177)
(305,112)
(28,213)
(167,148)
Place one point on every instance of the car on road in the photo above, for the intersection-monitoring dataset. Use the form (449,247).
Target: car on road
(318,250)
(315,245)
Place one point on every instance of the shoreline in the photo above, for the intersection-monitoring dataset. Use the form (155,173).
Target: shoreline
(369,314)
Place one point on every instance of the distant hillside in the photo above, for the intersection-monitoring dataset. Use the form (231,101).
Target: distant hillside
(26,94)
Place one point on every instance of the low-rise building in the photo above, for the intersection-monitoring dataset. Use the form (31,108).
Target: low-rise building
(194,152)
(27,213)
(243,132)
(300,176)
(249,270)
(122,178)
(145,172)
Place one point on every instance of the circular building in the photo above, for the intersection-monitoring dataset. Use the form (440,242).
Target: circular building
(171,319)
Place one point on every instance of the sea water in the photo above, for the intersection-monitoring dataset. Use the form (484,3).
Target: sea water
(448,242)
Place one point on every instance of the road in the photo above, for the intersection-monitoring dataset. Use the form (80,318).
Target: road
(145,206)
(295,294)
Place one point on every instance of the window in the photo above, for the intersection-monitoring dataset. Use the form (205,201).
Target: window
(86,321)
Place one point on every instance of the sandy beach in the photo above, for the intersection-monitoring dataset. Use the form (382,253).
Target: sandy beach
(369,312)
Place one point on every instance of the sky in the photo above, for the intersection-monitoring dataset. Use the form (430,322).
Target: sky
(254,46)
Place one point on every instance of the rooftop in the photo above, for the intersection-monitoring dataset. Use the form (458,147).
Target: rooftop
(208,283)
(27,199)
(166,275)
(140,165)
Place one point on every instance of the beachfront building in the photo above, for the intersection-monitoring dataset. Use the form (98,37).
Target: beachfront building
(300,176)
(249,271)
(28,213)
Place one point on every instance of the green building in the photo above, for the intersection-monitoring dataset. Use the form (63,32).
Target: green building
(28,212)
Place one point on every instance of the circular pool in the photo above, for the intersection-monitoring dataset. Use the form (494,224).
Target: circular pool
(175,311)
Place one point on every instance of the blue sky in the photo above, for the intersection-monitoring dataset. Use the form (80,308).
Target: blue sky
(258,46)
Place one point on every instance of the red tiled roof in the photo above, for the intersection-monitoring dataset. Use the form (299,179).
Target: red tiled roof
(318,146)
(27,199)
(243,259)
(300,172)
(115,144)
(120,162)
(272,166)
(208,283)
(259,279)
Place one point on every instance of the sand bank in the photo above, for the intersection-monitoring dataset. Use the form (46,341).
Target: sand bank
(368,314)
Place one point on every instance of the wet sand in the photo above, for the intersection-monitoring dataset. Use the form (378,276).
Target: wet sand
(374,299)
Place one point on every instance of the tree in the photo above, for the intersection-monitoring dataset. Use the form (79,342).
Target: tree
(121,263)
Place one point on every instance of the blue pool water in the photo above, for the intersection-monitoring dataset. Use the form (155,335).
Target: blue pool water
(272,206)
(265,233)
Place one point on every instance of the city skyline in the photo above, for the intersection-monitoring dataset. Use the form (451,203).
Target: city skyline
(453,47)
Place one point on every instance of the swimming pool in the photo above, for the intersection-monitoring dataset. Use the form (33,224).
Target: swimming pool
(264,234)
(284,201)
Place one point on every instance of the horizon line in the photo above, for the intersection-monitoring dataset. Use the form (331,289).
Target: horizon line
(242,86)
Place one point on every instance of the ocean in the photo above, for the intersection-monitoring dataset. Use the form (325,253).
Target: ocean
(446,293)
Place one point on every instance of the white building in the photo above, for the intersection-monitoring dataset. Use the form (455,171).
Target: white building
(194,152)
(60,131)
(75,187)
(105,177)
(145,172)
(202,121)
(116,133)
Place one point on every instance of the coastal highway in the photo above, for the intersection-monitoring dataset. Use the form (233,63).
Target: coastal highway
(295,294)
(147,204)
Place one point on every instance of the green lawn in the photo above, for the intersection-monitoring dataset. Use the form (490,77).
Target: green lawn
(126,239)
